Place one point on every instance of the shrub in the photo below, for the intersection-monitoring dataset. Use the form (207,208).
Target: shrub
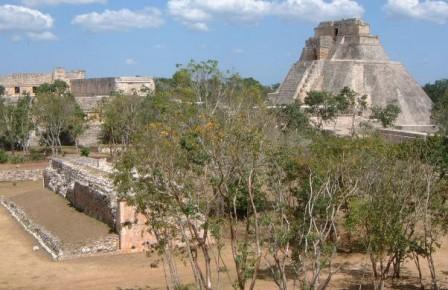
(3,157)
(387,116)
(36,155)
(16,159)
(85,152)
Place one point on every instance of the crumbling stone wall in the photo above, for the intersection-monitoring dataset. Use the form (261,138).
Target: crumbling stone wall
(53,245)
(14,175)
(86,183)
(27,82)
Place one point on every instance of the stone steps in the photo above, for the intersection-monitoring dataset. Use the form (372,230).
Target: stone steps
(289,86)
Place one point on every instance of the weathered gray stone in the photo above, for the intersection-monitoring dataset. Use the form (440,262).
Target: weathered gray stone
(53,245)
(86,184)
(345,54)
(14,175)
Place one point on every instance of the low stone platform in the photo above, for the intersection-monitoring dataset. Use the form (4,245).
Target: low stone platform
(60,229)
(86,183)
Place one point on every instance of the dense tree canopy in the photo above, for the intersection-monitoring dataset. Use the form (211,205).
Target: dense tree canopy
(212,162)
(56,111)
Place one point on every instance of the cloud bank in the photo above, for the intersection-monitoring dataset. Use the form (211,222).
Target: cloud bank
(120,20)
(197,14)
(429,10)
(19,20)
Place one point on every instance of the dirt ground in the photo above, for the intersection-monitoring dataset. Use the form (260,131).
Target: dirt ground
(22,268)
(33,165)
(49,209)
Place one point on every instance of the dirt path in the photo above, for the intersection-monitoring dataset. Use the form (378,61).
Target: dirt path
(21,268)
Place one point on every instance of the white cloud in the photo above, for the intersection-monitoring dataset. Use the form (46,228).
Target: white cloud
(130,61)
(199,26)
(20,20)
(57,2)
(431,10)
(120,20)
(319,10)
(197,14)
(46,35)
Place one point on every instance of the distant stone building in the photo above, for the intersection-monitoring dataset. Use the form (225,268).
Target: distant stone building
(88,92)
(26,83)
(345,53)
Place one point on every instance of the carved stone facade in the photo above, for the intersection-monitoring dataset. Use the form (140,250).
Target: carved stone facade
(345,54)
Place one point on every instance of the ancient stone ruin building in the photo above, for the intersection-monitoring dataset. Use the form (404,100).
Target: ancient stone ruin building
(87,184)
(26,83)
(345,53)
(89,92)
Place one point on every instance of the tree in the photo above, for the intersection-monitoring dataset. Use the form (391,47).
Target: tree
(55,110)
(348,101)
(292,117)
(323,105)
(2,90)
(386,115)
(199,165)
(16,122)
(437,91)
(119,116)
(440,113)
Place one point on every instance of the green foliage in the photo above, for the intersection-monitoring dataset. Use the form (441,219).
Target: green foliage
(387,116)
(85,151)
(36,155)
(2,90)
(17,159)
(440,114)
(3,157)
(437,91)
(16,122)
(217,164)
(55,111)
(323,105)
(292,118)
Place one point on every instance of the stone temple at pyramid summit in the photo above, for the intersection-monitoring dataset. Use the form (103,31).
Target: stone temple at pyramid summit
(345,54)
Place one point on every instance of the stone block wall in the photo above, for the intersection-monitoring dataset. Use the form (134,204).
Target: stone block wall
(15,175)
(27,82)
(131,225)
(86,186)
(92,87)
(86,183)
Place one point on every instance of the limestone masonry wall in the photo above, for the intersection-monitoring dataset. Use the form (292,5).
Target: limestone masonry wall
(93,87)
(14,175)
(53,245)
(87,187)
(86,183)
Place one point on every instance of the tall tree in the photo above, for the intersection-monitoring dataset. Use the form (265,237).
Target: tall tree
(55,111)
(16,122)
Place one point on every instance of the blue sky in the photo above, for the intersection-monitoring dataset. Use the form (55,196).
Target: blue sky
(258,38)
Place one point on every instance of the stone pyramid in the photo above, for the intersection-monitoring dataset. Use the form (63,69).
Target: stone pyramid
(344,53)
